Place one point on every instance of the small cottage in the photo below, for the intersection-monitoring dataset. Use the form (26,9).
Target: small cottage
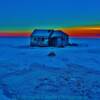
(54,38)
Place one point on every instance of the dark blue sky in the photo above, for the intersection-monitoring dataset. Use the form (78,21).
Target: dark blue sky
(48,13)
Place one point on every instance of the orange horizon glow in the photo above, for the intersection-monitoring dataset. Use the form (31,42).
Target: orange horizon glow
(83,31)
(15,34)
(73,32)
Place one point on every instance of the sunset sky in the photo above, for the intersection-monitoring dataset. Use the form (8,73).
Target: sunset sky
(77,17)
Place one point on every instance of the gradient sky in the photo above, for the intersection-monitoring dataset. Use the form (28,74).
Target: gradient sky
(28,14)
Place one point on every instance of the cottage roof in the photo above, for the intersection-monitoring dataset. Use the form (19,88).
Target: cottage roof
(58,33)
(47,33)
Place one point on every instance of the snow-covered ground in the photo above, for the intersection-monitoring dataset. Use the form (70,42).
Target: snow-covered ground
(28,73)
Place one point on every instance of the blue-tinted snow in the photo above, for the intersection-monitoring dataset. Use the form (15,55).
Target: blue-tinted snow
(28,72)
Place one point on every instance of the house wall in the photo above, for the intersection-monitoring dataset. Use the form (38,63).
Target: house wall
(39,41)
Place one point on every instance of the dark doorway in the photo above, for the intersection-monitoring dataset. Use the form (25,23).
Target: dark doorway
(53,41)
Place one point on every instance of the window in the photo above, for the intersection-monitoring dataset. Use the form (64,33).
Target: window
(41,38)
(38,38)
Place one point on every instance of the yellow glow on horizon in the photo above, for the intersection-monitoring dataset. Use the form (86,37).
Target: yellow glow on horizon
(94,28)
(82,28)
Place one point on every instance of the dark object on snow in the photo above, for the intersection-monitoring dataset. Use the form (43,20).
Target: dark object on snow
(53,38)
(52,54)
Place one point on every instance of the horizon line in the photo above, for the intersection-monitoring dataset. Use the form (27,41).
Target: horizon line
(85,31)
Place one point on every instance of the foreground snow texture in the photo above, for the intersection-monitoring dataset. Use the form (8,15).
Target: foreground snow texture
(30,74)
